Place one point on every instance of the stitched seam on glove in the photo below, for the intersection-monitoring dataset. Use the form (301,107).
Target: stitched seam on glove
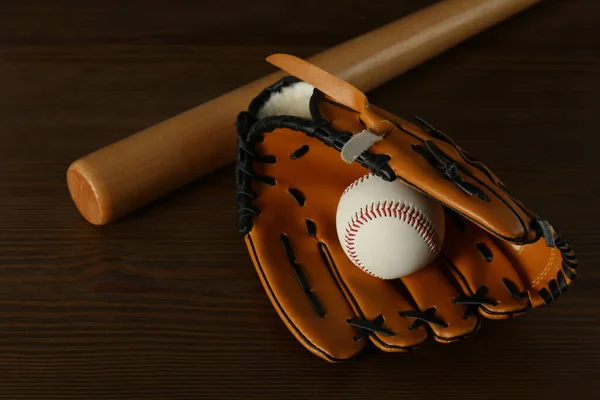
(545,271)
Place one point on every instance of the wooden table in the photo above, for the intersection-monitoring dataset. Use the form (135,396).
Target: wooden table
(165,304)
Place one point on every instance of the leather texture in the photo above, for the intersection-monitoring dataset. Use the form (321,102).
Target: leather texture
(497,261)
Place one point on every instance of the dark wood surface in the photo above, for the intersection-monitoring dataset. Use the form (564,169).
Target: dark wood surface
(165,304)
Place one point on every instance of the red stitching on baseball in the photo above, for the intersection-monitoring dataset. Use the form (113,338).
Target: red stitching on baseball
(356,182)
(422,225)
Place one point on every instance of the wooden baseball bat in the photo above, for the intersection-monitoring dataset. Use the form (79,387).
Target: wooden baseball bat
(118,179)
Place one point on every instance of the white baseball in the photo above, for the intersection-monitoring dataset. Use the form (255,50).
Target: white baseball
(389,229)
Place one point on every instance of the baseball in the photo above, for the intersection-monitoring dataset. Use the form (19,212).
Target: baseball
(388,229)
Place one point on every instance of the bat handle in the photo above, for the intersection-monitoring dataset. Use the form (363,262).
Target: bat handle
(126,175)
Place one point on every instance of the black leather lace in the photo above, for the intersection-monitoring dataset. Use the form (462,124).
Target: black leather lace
(473,302)
(365,327)
(438,159)
(423,317)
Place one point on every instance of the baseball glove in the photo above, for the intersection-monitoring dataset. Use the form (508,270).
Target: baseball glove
(308,137)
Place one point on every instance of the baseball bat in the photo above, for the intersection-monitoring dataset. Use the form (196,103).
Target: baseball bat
(126,175)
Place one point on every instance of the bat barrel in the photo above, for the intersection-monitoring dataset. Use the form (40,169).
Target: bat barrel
(126,175)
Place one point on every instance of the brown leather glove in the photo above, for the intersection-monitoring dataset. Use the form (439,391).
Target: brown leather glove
(498,259)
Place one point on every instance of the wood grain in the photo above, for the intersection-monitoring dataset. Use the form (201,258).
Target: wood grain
(129,174)
(165,304)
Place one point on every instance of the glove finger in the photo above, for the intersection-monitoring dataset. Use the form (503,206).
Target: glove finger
(412,158)
(376,302)
(433,294)
(546,271)
(305,296)
(482,270)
